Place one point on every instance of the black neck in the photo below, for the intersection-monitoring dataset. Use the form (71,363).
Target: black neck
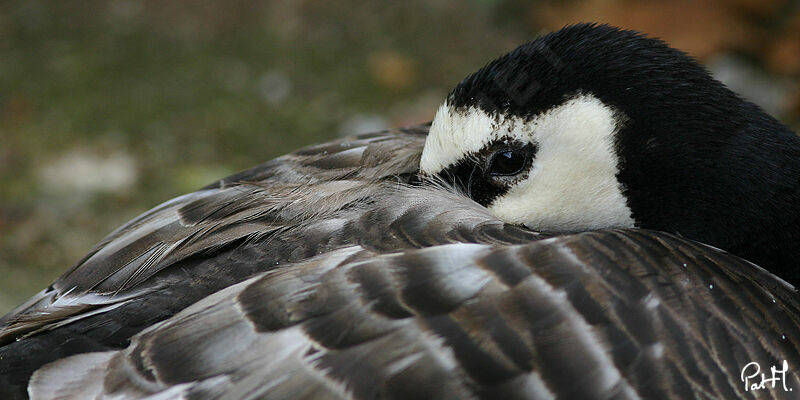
(734,184)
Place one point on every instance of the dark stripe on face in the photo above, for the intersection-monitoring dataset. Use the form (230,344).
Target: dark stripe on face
(468,176)
(474,174)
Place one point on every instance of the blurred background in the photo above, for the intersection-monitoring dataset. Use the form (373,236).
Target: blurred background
(108,108)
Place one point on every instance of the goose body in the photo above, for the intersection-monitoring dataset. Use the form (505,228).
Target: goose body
(340,271)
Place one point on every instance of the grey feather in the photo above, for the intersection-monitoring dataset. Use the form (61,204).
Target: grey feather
(611,314)
(324,274)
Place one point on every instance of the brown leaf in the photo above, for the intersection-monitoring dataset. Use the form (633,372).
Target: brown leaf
(392,70)
(699,28)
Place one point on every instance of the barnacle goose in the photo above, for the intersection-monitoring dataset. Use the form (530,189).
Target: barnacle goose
(341,271)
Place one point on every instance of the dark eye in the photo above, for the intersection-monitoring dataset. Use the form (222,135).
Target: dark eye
(507,162)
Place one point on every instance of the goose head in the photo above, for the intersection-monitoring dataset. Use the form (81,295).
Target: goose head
(595,127)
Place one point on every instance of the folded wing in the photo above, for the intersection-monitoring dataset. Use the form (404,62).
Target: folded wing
(611,314)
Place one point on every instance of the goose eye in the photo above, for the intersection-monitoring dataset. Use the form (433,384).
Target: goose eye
(507,162)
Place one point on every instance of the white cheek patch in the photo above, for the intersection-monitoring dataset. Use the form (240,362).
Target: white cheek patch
(572,185)
(454,134)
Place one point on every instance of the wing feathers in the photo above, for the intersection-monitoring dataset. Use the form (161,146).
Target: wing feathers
(558,318)
(324,274)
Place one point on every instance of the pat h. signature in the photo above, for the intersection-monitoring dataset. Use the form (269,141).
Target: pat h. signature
(755,380)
